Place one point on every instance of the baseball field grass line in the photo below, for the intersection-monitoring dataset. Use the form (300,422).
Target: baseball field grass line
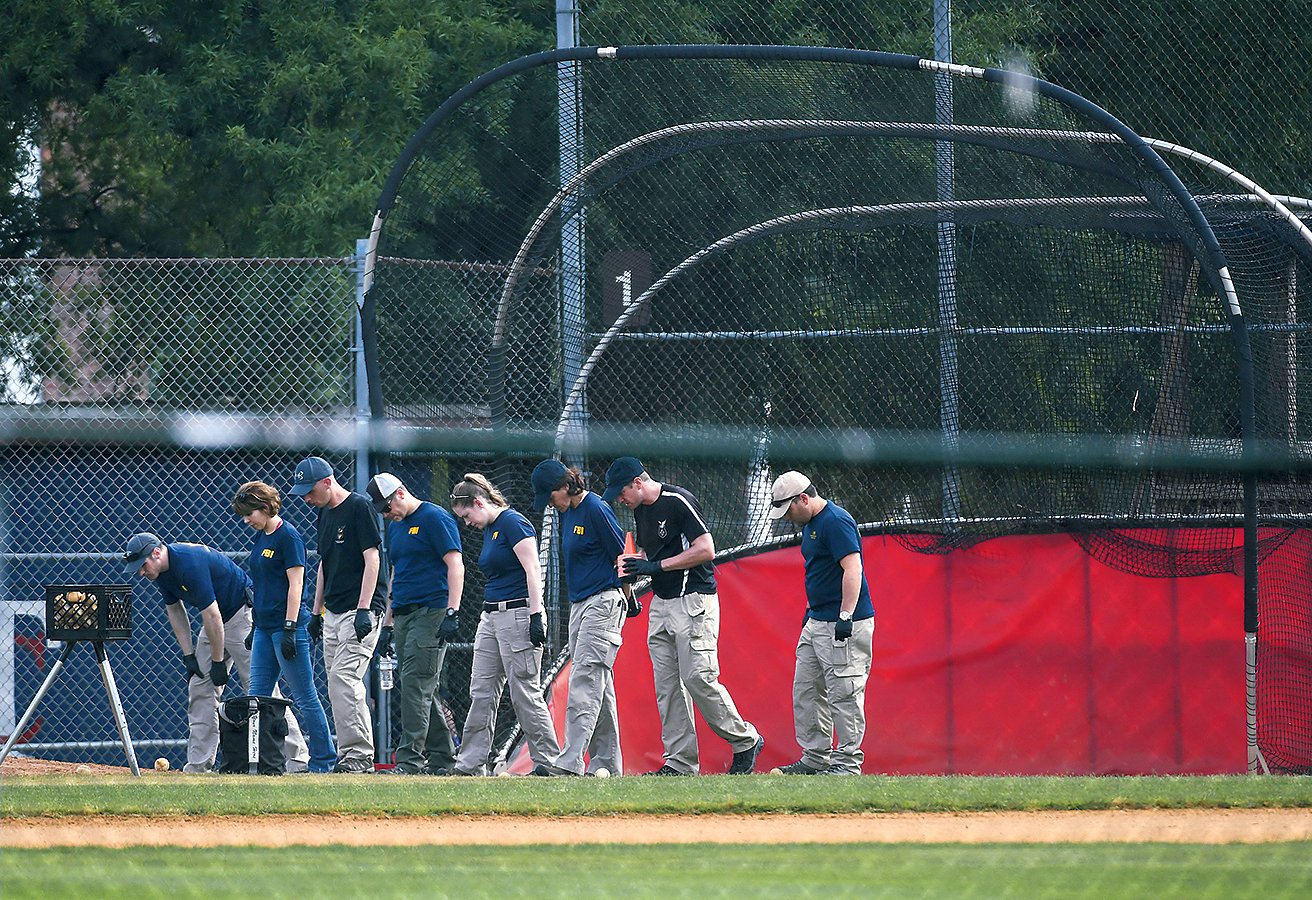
(586,871)
(236,795)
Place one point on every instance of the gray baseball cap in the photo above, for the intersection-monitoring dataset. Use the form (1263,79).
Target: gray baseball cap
(309,472)
(139,546)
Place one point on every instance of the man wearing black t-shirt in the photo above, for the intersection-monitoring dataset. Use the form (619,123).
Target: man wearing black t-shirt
(351,595)
(683,628)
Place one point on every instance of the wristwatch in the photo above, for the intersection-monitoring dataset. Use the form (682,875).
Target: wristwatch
(289,625)
(844,615)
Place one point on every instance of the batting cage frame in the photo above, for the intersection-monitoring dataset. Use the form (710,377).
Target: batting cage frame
(545,255)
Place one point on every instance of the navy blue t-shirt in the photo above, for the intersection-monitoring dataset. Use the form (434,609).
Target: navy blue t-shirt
(829,537)
(271,556)
(198,576)
(417,546)
(504,572)
(590,539)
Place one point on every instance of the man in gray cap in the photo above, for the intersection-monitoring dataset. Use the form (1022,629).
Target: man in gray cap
(350,595)
(835,648)
(683,625)
(216,587)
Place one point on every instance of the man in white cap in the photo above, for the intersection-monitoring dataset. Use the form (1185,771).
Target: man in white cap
(835,648)
(349,599)
(428,578)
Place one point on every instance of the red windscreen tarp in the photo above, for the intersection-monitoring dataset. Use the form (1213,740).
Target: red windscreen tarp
(1020,655)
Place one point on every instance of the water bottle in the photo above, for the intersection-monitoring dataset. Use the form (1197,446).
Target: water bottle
(386,670)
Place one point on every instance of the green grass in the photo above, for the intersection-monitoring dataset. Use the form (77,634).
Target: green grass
(233,795)
(990,870)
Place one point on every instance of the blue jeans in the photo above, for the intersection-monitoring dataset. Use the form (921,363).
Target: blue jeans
(267,663)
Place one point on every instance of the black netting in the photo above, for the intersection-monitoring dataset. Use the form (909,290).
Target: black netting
(808,249)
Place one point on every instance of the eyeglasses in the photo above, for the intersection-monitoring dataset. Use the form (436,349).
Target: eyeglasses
(784,502)
(387,507)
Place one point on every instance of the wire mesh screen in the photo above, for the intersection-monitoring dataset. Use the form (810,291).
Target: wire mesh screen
(736,267)
(98,351)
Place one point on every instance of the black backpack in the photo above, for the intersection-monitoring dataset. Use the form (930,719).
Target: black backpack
(239,720)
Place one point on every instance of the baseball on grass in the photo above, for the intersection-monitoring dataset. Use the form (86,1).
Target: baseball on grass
(84,770)
(161,765)
(602,773)
(776,771)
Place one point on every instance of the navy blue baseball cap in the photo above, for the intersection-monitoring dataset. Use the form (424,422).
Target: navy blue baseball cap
(621,472)
(309,472)
(139,546)
(549,475)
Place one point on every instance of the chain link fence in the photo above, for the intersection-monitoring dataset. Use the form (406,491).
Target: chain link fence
(95,349)
(816,334)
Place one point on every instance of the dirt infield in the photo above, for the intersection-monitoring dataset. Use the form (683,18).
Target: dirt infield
(1170,826)
(1213,826)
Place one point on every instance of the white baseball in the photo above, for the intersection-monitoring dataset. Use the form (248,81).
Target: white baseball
(84,770)
(161,765)
(776,771)
(602,773)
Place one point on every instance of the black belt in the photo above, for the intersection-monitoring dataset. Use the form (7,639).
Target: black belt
(505,604)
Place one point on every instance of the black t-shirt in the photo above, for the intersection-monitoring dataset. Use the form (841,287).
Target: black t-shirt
(345,532)
(666,528)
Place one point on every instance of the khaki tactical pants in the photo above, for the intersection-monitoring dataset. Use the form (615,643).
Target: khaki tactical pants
(829,694)
(683,636)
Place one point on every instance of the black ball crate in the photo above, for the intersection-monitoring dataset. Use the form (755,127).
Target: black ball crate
(88,612)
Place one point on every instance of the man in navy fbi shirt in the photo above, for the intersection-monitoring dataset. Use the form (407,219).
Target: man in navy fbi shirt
(835,648)
(197,576)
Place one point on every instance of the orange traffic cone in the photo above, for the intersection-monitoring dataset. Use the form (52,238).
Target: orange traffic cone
(630,549)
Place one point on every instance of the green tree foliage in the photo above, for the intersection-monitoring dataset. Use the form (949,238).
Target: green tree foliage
(243,127)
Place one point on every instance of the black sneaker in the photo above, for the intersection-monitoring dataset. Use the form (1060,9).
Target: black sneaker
(461,772)
(668,769)
(744,761)
(397,770)
(353,766)
(840,770)
(552,771)
(800,768)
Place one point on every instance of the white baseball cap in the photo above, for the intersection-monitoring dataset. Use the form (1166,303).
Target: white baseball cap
(381,488)
(785,490)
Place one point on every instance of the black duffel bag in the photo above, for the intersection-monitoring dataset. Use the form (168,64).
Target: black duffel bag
(251,734)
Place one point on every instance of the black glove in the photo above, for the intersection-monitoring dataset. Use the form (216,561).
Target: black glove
(842,629)
(289,639)
(364,623)
(636,565)
(537,629)
(450,625)
(219,673)
(315,628)
(385,641)
(632,607)
(250,636)
(193,667)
